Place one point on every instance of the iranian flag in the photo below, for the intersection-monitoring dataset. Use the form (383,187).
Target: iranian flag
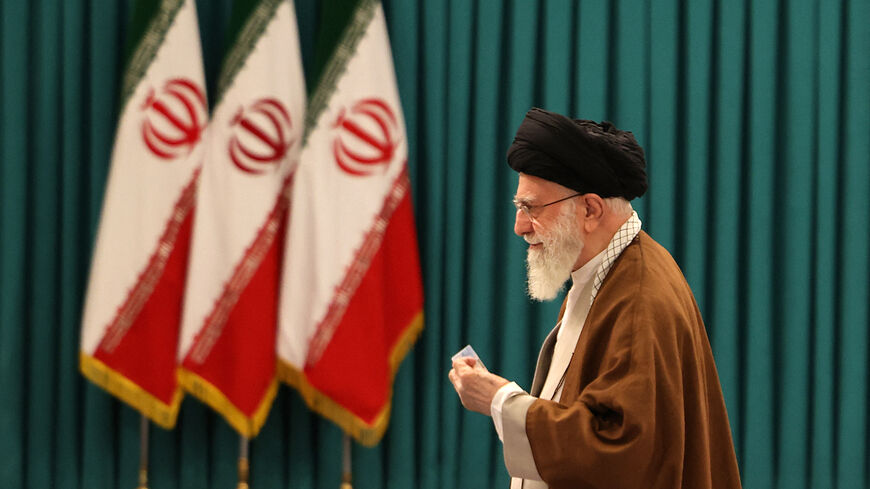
(351,301)
(227,344)
(133,307)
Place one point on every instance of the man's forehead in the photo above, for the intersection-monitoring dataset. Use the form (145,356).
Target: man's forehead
(531,187)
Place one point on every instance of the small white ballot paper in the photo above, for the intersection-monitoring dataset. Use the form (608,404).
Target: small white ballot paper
(468,352)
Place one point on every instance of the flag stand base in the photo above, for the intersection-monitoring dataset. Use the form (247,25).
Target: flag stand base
(347,467)
(143,479)
(244,467)
(243,474)
(143,453)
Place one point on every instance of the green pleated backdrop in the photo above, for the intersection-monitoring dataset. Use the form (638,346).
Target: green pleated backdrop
(755,117)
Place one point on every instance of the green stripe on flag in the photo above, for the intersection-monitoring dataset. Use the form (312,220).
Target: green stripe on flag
(143,13)
(241,10)
(335,15)
(245,36)
(151,21)
(341,49)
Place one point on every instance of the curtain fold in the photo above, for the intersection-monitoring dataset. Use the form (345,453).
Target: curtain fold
(755,119)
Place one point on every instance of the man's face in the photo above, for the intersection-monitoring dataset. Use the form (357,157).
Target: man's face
(554,236)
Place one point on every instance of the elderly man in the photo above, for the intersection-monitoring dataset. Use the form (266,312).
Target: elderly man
(625,393)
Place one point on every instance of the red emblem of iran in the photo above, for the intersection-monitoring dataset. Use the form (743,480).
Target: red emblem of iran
(174,118)
(367,137)
(261,136)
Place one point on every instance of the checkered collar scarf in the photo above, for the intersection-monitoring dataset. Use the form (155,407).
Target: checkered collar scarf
(623,237)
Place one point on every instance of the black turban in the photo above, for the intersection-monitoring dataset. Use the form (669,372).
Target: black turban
(583,155)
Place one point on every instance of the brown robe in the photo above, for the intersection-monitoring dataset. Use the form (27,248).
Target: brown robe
(641,405)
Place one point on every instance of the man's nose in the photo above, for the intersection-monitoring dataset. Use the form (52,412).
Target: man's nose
(522,224)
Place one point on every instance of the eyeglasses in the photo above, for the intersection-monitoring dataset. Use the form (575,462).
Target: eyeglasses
(530,210)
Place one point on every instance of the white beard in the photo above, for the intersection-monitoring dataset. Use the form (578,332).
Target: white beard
(550,267)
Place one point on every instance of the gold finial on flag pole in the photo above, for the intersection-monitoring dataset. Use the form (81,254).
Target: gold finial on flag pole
(244,468)
(143,453)
(346,473)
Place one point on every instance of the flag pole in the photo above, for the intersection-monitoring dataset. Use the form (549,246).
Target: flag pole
(143,453)
(243,463)
(347,470)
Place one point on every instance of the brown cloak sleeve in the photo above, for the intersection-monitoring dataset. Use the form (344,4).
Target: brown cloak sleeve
(641,405)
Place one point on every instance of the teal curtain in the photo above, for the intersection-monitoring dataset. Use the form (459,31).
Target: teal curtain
(755,118)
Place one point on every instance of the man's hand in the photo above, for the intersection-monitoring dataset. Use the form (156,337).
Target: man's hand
(474,384)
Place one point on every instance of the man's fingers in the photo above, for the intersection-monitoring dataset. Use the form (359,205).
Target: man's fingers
(461,364)
(454,379)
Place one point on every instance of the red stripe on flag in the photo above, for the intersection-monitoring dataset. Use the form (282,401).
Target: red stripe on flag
(145,354)
(356,368)
(241,362)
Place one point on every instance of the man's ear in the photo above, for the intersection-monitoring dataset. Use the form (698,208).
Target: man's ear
(594,214)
